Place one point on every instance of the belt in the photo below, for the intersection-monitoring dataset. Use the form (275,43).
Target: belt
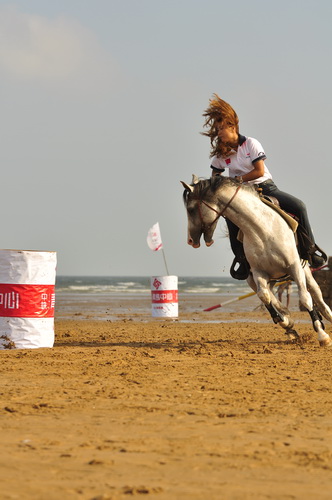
(265,183)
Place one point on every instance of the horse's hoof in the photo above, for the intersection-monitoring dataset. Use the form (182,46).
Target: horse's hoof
(326,342)
(293,336)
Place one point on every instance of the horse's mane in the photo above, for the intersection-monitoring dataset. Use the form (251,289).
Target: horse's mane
(206,188)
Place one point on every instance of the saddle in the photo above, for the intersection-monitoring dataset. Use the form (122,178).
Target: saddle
(306,247)
(308,250)
(272,202)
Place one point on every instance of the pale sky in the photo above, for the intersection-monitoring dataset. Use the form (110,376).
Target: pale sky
(101,114)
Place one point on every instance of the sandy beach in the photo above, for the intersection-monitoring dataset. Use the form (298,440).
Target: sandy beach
(210,406)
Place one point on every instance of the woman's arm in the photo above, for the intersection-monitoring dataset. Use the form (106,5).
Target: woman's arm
(257,171)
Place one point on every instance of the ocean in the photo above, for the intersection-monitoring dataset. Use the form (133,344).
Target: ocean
(133,285)
(111,297)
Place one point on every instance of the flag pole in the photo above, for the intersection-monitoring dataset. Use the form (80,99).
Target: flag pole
(155,242)
(162,249)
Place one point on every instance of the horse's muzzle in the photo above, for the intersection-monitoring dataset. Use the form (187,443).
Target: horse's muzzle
(197,245)
(192,244)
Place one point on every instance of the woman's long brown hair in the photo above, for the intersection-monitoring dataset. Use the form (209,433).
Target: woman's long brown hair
(219,111)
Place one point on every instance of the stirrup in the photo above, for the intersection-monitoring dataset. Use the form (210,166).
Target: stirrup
(242,272)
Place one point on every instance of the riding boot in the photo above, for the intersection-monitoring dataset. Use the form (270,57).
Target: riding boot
(309,251)
(317,257)
(242,272)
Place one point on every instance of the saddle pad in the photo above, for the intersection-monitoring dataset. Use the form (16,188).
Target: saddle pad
(290,221)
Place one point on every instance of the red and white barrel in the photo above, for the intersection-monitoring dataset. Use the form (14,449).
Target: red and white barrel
(164,295)
(27,299)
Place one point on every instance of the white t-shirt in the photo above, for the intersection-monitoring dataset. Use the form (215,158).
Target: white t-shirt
(240,162)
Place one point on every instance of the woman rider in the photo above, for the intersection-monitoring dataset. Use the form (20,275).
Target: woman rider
(245,159)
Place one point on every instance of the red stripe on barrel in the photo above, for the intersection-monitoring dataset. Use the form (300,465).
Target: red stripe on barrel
(164,296)
(27,301)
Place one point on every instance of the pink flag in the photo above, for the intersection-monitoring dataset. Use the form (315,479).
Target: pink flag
(154,238)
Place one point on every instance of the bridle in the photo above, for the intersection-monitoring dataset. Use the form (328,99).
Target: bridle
(219,214)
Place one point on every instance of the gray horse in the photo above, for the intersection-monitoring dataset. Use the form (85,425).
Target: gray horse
(268,241)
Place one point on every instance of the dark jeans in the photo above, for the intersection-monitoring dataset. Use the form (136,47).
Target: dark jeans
(289,203)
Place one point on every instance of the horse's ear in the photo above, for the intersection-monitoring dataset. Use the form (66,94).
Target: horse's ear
(187,186)
(195,179)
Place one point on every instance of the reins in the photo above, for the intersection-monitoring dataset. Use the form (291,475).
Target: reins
(219,214)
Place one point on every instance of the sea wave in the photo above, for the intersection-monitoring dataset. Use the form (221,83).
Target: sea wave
(116,285)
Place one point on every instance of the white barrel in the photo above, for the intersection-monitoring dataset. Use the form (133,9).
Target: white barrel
(164,295)
(27,299)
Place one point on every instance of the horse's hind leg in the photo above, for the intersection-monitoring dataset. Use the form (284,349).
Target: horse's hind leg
(317,296)
(303,279)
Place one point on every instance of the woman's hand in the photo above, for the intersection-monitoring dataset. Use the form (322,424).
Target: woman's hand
(239,178)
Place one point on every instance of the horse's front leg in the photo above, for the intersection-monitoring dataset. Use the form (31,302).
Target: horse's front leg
(278,313)
(264,294)
(260,285)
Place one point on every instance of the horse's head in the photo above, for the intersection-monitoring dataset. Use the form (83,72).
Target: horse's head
(201,211)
